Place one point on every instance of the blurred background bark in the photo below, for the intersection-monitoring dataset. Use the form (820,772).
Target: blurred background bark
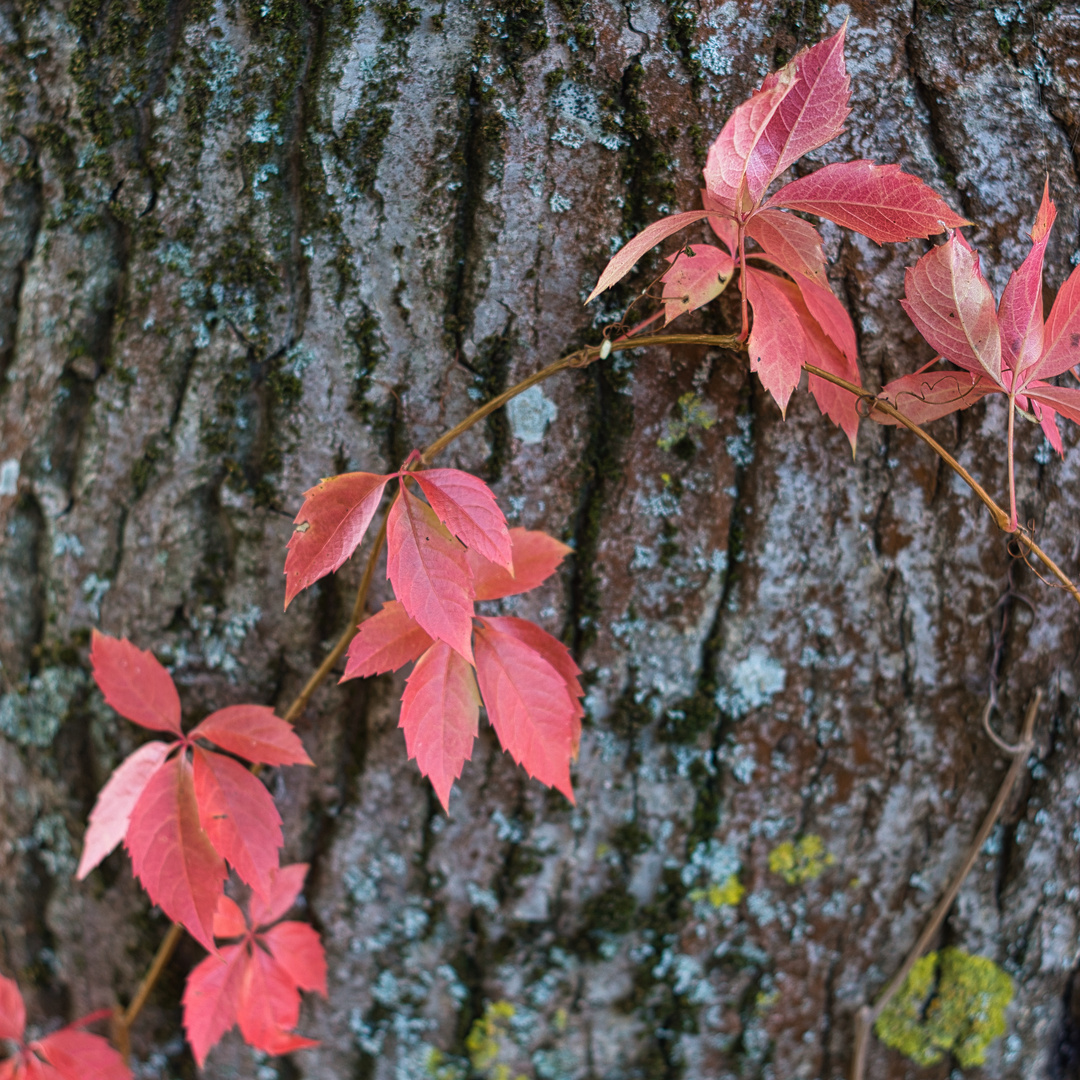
(245,245)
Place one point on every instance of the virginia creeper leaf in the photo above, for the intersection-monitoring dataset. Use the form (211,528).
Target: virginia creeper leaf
(255,733)
(721,223)
(699,273)
(172,855)
(111,815)
(793,244)
(287,881)
(536,558)
(269,1005)
(388,640)
(930,395)
(467,507)
(78,1055)
(12,1010)
(296,947)
(950,302)
(440,711)
(429,572)
(1061,348)
(878,201)
(238,814)
(332,522)
(777,342)
(229,921)
(1062,399)
(811,114)
(1020,312)
(648,238)
(211,997)
(134,683)
(528,705)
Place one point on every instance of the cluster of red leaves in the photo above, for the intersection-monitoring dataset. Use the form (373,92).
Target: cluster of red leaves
(67,1054)
(444,555)
(796,319)
(1001,349)
(256,981)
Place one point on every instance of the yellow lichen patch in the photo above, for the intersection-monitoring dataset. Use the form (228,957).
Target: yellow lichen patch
(693,413)
(801,861)
(484,1041)
(960,1015)
(727,894)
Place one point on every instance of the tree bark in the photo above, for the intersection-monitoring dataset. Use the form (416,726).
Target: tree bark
(247,245)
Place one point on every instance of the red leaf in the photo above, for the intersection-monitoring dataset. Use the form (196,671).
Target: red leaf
(930,395)
(777,342)
(555,653)
(467,507)
(429,572)
(1062,399)
(337,512)
(112,812)
(698,274)
(1061,348)
(78,1055)
(134,683)
(950,302)
(287,881)
(388,640)
(255,733)
(12,1010)
(734,174)
(439,715)
(536,558)
(1020,313)
(297,948)
(793,244)
(229,921)
(269,1003)
(878,201)
(810,115)
(528,705)
(648,238)
(1048,423)
(721,222)
(211,998)
(239,816)
(170,853)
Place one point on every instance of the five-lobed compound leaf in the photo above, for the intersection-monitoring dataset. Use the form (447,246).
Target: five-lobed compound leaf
(777,340)
(386,641)
(429,572)
(879,201)
(467,507)
(440,712)
(536,557)
(253,732)
(135,683)
(699,273)
(528,705)
(171,854)
(332,521)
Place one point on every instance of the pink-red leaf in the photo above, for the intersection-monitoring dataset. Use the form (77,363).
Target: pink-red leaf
(211,999)
(331,523)
(878,201)
(112,812)
(528,705)
(777,341)
(1062,399)
(78,1055)
(721,222)
(287,881)
(1020,313)
(388,640)
(556,654)
(134,683)
(172,855)
(1061,339)
(930,395)
(793,244)
(229,920)
(255,733)
(297,948)
(269,1002)
(950,302)
(467,507)
(429,572)
(440,711)
(810,115)
(536,558)
(648,238)
(699,273)
(238,814)
(12,1010)
(1048,423)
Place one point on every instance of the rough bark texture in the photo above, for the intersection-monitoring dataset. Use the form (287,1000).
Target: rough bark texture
(246,245)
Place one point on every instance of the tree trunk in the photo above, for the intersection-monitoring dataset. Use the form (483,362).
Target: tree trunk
(247,245)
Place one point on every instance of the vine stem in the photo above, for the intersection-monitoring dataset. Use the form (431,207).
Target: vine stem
(868,1014)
